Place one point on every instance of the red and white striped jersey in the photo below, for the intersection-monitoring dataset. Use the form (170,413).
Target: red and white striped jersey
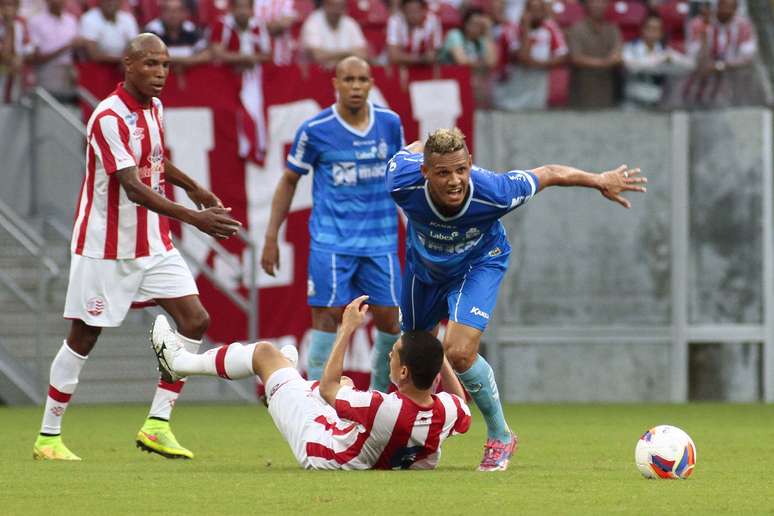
(415,40)
(373,430)
(733,42)
(121,134)
(546,41)
(254,40)
(283,45)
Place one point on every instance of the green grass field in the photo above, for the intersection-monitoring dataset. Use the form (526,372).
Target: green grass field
(574,459)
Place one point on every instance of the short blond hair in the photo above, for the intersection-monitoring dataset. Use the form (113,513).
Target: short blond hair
(444,141)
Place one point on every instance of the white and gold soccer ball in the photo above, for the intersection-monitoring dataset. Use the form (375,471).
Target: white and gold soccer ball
(665,451)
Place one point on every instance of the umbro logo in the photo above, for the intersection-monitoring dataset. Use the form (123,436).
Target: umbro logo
(477,311)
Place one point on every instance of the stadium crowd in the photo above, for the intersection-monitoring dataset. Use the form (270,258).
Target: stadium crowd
(523,54)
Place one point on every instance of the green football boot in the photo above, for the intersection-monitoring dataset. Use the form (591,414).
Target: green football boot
(155,436)
(51,447)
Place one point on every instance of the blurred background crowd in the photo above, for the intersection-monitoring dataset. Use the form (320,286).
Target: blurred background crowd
(523,54)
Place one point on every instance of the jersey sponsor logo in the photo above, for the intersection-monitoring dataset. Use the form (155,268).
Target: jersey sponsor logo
(495,252)
(448,248)
(345,174)
(131,118)
(368,172)
(472,233)
(393,166)
(363,143)
(371,153)
(443,236)
(477,311)
(95,306)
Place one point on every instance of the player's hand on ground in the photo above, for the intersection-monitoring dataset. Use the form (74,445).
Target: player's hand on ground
(623,179)
(216,222)
(270,256)
(203,198)
(354,314)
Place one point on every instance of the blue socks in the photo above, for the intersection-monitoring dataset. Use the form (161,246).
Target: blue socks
(380,366)
(479,381)
(319,350)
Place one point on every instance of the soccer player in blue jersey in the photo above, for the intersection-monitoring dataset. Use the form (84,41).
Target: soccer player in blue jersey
(354,223)
(457,253)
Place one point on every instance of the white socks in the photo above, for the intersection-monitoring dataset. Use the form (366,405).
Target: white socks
(63,379)
(167,393)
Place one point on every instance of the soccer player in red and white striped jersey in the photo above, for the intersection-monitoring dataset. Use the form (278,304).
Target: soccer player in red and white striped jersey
(329,424)
(122,253)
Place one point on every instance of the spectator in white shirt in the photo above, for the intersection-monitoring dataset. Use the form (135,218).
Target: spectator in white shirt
(329,34)
(648,62)
(414,34)
(107,31)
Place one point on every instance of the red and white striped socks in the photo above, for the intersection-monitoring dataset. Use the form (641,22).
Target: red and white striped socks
(63,379)
(231,362)
(167,393)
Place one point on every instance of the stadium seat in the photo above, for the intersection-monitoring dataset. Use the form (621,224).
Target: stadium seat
(629,17)
(674,15)
(368,12)
(449,16)
(211,10)
(568,14)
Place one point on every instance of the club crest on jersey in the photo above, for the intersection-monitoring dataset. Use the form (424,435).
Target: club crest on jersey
(95,306)
(139,133)
(381,149)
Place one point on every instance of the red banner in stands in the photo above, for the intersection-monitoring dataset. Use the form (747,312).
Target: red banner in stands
(201,109)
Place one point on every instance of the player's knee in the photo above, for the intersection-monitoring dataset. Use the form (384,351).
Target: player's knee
(460,358)
(326,320)
(196,325)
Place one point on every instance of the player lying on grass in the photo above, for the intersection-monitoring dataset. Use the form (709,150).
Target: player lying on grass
(329,424)
(457,253)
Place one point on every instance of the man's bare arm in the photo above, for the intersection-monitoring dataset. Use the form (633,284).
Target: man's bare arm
(331,381)
(280,206)
(213,221)
(202,197)
(610,184)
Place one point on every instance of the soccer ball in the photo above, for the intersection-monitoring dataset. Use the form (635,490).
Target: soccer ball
(665,452)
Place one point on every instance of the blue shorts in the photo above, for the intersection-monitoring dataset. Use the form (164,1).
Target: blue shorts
(469,299)
(336,279)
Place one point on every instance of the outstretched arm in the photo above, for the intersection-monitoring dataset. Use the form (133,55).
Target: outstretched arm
(214,221)
(331,381)
(611,184)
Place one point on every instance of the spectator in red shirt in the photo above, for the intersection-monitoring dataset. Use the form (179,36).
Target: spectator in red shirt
(414,34)
(535,46)
(279,17)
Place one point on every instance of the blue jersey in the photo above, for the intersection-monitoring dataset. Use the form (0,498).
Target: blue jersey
(440,247)
(352,212)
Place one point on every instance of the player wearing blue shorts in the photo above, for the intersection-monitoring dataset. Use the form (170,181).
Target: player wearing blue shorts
(354,223)
(457,253)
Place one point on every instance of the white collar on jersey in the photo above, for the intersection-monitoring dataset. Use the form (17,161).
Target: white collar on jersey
(453,217)
(351,129)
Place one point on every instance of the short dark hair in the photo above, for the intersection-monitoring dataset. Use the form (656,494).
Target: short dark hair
(422,354)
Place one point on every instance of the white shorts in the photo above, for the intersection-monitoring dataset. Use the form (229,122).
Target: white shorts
(101,292)
(293,406)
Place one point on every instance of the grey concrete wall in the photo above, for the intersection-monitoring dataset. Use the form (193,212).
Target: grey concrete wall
(580,261)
